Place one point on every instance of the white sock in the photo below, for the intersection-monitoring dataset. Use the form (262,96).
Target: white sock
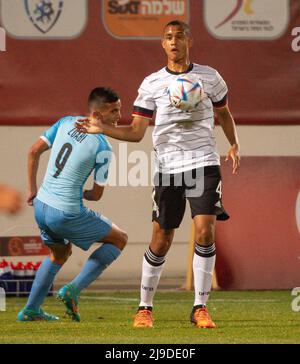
(203,267)
(152,269)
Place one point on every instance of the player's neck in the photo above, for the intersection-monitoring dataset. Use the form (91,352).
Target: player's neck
(180,67)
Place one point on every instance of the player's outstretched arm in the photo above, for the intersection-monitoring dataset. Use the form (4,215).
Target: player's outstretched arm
(130,133)
(226,121)
(34,154)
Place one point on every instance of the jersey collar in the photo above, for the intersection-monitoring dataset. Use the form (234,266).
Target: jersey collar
(191,66)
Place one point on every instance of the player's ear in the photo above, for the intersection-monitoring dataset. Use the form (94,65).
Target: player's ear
(97,115)
(191,42)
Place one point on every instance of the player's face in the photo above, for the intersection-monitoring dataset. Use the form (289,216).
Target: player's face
(111,112)
(176,43)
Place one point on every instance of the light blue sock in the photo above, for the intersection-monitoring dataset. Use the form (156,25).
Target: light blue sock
(95,265)
(42,283)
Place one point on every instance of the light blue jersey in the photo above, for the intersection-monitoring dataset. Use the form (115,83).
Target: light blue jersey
(73,158)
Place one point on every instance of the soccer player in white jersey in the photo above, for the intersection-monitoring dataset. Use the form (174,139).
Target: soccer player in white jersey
(183,142)
(58,207)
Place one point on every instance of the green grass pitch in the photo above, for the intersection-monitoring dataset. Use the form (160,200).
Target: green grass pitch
(242,317)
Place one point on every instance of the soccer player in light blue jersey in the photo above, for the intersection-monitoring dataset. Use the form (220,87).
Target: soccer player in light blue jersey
(59,210)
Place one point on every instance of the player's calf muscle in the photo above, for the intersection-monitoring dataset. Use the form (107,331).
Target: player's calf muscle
(161,241)
(160,249)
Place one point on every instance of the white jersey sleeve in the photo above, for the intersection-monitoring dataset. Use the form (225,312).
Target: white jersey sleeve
(144,104)
(219,91)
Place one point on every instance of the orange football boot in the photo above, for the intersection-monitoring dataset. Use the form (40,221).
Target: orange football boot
(201,318)
(143,318)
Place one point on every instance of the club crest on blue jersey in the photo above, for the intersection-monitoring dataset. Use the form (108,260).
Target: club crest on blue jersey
(44,14)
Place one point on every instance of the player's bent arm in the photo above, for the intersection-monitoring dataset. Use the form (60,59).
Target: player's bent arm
(227,123)
(94,194)
(131,133)
(34,154)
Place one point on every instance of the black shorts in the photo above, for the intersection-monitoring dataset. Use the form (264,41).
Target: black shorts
(203,191)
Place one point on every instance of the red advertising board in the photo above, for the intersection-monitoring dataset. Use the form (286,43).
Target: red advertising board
(15,246)
(49,67)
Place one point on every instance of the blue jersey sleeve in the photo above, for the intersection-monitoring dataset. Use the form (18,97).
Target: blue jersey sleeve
(50,134)
(103,160)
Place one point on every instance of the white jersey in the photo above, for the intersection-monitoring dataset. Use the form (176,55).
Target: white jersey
(182,140)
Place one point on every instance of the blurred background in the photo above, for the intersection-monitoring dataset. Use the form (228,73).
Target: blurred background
(54,52)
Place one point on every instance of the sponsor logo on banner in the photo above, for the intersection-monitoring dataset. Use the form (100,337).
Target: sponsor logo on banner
(44,14)
(246,19)
(22,246)
(144,19)
(44,18)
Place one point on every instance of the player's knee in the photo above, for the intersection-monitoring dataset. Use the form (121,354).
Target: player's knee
(61,255)
(58,259)
(123,240)
(205,234)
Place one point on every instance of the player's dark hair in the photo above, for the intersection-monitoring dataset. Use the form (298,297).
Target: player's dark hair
(103,95)
(178,23)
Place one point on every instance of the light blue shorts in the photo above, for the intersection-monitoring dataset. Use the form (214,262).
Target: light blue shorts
(59,227)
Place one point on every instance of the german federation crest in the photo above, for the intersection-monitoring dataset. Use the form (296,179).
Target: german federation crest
(43,14)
